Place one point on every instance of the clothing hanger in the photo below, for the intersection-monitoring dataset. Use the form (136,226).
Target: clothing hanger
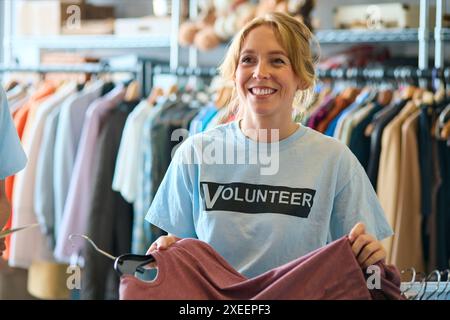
(154,95)
(411,283)
(131,263)
(422,283)
(442,124)
(439,96)
(11,84)
(173,89)
(408,92)
(446,284)
(132,92)
(445,132)
(427,97)
(125,264)
(384,97)
(417,95)
(348,93)
(438,275)
(106,254)
(443,116)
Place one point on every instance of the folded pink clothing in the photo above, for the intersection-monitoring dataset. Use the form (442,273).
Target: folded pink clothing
(192,270)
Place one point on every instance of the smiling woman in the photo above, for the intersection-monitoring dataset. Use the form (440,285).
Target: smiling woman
(318,193)
(273,67)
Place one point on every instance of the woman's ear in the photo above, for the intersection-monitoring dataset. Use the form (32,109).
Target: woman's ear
(302,85)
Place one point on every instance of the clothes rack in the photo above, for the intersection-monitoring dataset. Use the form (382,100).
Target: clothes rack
(382,73)
(95,68)
(428,287)
(369,73)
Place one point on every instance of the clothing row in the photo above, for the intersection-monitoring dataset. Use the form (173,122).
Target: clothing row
(85,143)
(401,138)
(137,155)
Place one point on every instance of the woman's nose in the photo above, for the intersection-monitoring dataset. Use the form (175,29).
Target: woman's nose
(261,72)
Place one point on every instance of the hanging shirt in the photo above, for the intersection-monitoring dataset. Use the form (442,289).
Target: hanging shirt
(12,156)
(110,216)
(70,124)
(44,192)
(407,243)
(201,120)
(141,229)
(78,198)
(193,270)
(128,161)
(271,203)
(335,125)
(358,142)
(379,123)
(318,115)
(389,168)
(32,245)
(20,120)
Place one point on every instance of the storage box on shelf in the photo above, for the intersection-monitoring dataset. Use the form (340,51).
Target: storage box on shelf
(151,25)
(67,17)
(379,16)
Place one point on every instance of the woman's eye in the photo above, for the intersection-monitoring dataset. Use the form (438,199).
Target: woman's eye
(246,60)
(278,61)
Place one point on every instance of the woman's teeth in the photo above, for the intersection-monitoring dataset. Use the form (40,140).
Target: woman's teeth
(261,92)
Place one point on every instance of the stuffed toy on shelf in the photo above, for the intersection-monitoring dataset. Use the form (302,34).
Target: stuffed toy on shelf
(220,20)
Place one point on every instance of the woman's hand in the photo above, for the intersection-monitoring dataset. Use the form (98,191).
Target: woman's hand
(367,249)
(162,243)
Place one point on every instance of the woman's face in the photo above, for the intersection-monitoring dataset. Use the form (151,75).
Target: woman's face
(265,80)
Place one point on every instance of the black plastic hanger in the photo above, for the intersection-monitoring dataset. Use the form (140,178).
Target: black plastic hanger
(132,263)
(125,264)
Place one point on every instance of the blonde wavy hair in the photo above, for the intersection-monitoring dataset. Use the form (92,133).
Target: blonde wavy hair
(295,38)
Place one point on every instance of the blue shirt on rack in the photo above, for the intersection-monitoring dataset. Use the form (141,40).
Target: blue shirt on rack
(201,120)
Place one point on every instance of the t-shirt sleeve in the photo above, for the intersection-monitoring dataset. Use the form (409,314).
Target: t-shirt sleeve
(356,201)
(172,207)
(12,156)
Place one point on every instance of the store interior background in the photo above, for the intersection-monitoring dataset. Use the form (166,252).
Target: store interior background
(124,51)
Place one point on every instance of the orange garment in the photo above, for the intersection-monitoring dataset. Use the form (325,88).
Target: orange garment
(20,118)
(341,102)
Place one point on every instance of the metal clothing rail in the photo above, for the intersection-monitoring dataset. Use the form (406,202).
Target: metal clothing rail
(382,73)
(427,287)
(137,72)
(82,68)
(400,73)
(185,71)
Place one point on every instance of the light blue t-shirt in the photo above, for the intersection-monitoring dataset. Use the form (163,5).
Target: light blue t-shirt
(12,156)
(262,209)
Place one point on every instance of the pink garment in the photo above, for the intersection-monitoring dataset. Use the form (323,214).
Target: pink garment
(76,208)
(192,270)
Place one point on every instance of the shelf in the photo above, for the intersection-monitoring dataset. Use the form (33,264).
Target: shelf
(94,42)
(368,36)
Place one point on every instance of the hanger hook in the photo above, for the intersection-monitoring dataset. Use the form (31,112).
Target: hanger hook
(71,236)
(438,275)
(422,283)
(446,284)
(411,283)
